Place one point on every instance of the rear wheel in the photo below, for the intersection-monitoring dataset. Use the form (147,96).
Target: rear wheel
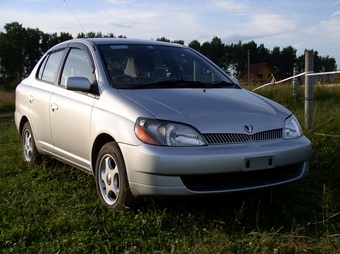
(111,178)
(28,147)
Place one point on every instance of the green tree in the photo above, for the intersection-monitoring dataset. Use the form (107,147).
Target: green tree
(64,36)
(195,44)
(32,49)
(218,52)
(163,39)
(253,51)
(21,49)
(239,57)
(12,56)
(178,42)
(328,64)
(263,54)
(288,60)
(98,35)
(91,35)
(321,63)
(215,51)
(206,49)
(275,61)
(110,35)
(81,35)
(53,39)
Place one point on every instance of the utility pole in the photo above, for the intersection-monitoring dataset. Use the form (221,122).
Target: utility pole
(294,83)
(248,67)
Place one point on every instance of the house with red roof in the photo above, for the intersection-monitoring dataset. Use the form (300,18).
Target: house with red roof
(260,72)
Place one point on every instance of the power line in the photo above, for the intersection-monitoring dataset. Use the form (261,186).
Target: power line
(75,17)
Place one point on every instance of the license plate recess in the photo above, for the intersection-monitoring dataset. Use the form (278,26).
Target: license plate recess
(259,162)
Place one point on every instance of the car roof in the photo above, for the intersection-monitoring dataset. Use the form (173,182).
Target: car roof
(103,41)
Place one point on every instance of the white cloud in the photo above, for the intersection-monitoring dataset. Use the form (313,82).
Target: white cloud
(118,2)
(272,23)
(330,29)
(123,25)
(234,6)
(335,3)
(336,13)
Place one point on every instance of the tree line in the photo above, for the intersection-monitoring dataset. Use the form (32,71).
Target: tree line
(21,48)
(233,58)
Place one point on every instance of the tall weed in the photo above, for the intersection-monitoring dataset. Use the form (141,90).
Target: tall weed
(6,101)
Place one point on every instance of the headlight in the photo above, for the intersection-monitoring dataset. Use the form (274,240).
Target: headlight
(292,128)
(165,133)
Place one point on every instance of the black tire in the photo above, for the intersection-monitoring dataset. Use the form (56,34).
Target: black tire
(29,150)
(111,178)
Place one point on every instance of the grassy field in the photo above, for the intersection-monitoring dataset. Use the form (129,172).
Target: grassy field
(53,208)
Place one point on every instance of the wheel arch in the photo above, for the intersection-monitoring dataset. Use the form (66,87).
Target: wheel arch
(99,142)
(23,120)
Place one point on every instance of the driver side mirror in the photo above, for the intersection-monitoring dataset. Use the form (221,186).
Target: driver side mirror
(78,84)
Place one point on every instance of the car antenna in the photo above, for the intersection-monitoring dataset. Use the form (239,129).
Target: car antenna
(76,17)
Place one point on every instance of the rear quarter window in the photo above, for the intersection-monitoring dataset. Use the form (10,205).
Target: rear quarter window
(48,69)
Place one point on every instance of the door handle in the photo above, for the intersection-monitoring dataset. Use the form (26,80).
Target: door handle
(30,99)
(54,107)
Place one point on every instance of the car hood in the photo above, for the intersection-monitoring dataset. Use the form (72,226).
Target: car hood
(212,110)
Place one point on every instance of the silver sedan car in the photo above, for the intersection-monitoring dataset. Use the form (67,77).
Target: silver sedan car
(148,118)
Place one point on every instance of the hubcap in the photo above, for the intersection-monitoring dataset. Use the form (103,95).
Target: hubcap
(108,179)
(27,145)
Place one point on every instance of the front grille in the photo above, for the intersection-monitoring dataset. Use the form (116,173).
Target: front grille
(225,138)
(242,180)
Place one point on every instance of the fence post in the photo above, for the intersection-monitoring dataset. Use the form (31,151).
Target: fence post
(309,86)
(294,84)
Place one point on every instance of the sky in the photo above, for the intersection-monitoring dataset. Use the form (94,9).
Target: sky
(303,24)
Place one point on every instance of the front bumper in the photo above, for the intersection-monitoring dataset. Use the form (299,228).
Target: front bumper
(185,171)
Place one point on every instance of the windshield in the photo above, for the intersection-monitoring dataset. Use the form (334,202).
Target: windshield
(152,66)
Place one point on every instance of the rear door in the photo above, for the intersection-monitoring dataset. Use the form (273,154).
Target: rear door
(39,95)
(71,110)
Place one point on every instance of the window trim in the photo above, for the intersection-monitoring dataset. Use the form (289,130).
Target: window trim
(80,46)
(43,64)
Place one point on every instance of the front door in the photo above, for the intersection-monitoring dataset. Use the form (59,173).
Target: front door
(70,113)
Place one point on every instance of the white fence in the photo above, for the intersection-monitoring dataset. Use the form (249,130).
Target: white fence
(309,86)
(309,73)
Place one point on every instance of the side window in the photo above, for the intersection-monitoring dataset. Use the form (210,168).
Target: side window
(42,68)
(77,65)
(49,67)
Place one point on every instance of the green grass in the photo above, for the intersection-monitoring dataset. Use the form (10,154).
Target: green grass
(53,208)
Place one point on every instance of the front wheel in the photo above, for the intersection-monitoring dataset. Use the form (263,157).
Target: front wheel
(111,178)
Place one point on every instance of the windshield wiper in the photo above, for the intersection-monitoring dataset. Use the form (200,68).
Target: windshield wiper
(172,83)
(180,83)
(220,84)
